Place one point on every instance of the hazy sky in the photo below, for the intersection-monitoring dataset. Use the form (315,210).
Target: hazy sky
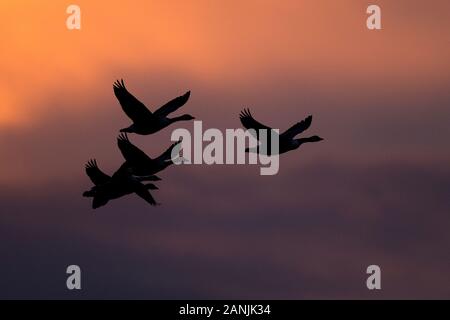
(375,191)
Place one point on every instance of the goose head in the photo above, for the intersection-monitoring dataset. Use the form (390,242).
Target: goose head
(184,117)
(314,139)
(300,141)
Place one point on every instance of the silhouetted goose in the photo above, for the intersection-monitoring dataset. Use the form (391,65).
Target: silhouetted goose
(286,139)
(144,121)
(122,183)
(139,162)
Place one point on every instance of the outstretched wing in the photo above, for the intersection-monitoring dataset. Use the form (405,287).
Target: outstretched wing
(249,122)
(297,128)
(96,175)
(123,171)
(133,108)
(142,191)
(132,154)
(172,105)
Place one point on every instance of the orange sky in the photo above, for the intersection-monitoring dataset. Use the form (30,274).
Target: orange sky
(225,43)
(374,191)
(301,57)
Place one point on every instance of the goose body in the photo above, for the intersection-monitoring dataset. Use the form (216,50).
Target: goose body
(140,163)
(144,121)
(122,183)
(287,141)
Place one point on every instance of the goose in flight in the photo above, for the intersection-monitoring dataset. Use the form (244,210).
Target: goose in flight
(287,141)
(122,183)
(140,163)
(144,121)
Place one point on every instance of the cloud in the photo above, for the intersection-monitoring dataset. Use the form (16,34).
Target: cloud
(308,233)
(375,191)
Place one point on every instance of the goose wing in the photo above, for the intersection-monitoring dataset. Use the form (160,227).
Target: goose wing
(133,108)
(172,105)
(249,122)
(123,171)
(131,153)
(297,128)
(96,175)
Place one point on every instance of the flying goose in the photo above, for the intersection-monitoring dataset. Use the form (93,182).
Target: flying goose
(286,139)
(140,163)
(122,183)
(144,121)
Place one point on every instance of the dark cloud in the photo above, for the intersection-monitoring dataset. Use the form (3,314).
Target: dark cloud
(309,232)
(375,191)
